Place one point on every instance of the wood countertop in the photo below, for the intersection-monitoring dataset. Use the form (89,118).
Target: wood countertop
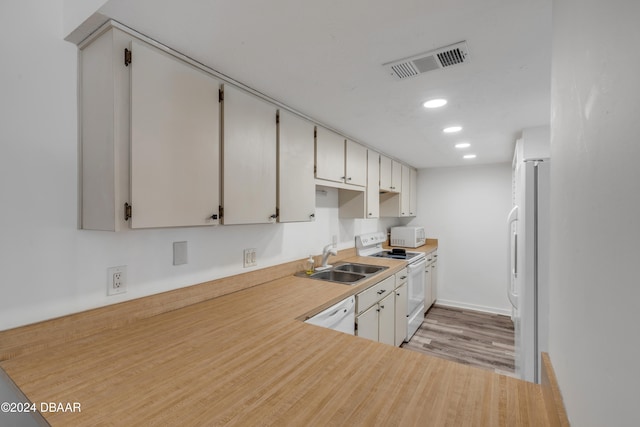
(246,359)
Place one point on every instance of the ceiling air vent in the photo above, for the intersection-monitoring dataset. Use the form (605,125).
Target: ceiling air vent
(439,58)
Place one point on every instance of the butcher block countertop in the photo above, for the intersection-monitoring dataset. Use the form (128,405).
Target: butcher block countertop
(247,359)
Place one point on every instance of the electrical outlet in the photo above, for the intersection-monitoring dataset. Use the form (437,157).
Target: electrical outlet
(249,259)
(117,280)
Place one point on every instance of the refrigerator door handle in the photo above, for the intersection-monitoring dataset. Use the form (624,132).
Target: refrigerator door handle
(511,269)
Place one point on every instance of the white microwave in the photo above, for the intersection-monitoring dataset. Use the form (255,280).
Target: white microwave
(408,237)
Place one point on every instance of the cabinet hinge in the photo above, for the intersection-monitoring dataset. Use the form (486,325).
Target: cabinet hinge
(220,95)
(278,117)
(220,211)
(315,132)
(315,169)
(127,211)
(127,57)
(277,212)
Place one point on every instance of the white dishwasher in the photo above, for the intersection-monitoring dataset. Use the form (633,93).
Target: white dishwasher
(340,317)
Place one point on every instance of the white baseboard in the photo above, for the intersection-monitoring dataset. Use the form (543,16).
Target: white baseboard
(457,304)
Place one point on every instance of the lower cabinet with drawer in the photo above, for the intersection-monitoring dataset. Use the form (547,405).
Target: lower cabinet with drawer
(430,280)
(379,308)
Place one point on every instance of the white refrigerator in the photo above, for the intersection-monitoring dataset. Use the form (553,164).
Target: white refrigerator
(528,234)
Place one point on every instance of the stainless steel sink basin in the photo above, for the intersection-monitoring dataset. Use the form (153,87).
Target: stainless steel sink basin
(338,276)
(346,274)
(360,268)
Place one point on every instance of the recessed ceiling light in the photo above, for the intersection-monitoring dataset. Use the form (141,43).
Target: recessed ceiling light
(435,103)
(469,156)
(463,145)
(452,129)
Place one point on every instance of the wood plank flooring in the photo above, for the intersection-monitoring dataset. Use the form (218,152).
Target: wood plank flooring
(473,338)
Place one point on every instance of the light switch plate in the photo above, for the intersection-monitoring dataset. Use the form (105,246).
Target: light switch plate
(249,258)
(180,255)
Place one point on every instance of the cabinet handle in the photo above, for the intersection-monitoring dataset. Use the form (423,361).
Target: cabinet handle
(343,177)
(403,277)
(397,294)
(382,306)
(274,216)
(312,215)
(349,179)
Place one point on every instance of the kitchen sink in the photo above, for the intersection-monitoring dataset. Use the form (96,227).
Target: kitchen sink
(346,274)
(359,268)
(338,276)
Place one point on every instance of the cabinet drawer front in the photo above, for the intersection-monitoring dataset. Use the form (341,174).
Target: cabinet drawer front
(401,277)
(375,293)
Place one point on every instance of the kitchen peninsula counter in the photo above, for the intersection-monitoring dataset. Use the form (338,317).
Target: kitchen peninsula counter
(245,358)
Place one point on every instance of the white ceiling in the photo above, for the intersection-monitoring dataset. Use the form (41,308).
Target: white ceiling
(324,58)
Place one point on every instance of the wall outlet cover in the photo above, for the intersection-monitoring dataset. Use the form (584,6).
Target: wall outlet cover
(117,280)
(249,258)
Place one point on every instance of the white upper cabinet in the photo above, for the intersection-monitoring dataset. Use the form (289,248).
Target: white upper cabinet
(174,141)
(390,175)
(296,182)
(393,204)
(248,158)
(149,137)
(396,176)
(330,155)
(413,191)
(356,164)
(406,190)
(385,173)
(373,184)
(339,160)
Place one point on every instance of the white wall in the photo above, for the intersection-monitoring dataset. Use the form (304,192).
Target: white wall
(465,208)
(49,268)
(595,210)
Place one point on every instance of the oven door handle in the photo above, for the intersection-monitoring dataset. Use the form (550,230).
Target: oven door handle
(417,265)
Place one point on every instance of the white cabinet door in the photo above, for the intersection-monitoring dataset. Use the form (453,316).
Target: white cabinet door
(390,175)
(367,324)
(355,164)
(174,141)
(385,173)
(428,291)
(434,281)
(296,182)
(413,191)
(330,148)
(248,158)
(396,176)
(373,184)
(406,190)
(386,320)
(401,314)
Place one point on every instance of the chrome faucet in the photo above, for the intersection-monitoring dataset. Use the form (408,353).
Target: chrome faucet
(328,250)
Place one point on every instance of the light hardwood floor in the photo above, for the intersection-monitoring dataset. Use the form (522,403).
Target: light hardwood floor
(473,338)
